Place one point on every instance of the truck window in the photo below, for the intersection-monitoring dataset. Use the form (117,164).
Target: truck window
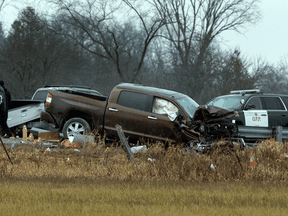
(164,107)
(40,95)
(272,103)
(133,100)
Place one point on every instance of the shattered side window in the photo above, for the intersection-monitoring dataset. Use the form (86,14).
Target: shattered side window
(227,102)
(161,106)
(188,105)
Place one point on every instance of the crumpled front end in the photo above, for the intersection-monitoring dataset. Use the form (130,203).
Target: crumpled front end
(209,124)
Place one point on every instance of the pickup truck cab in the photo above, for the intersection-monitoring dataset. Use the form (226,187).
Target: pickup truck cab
(142,111)
(255,108)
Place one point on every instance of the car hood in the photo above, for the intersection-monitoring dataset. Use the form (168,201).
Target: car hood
(209,114)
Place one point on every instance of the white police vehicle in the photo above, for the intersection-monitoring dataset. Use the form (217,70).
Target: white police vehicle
(255,108)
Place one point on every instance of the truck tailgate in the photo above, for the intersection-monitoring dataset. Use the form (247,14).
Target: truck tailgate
(26,113)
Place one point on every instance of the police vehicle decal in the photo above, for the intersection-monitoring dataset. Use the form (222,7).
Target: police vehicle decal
(256,118)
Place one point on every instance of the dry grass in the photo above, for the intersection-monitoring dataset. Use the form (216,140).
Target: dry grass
(96,162)
(100,180)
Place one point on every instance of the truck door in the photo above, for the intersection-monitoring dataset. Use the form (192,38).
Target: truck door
(254,113)
(276,110)
(131,112)
(161,122)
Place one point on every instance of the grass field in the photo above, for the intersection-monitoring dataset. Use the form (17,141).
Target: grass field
(101,181)
(130,198)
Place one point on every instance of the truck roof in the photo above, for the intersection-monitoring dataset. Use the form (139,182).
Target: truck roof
(150,90)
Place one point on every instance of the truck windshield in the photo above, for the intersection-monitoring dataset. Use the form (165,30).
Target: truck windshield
(227,102)
(189,105)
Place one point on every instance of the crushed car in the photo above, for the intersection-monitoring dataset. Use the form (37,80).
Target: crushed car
(142,111)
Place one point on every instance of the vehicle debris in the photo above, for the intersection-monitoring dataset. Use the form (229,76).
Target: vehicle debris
(209,124)
(136,149)
(68,144)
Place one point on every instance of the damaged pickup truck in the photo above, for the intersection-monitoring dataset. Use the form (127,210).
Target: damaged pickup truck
(142,111)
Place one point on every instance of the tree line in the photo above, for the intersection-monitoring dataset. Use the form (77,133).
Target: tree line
(172,44)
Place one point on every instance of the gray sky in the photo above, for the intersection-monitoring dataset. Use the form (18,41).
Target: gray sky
(267,39)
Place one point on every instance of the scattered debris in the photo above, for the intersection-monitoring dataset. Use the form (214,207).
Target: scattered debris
(68,144)
(31,137)
(47,150)
(82,139)
(138,149)
(212,166)
(284,155)
(50,136)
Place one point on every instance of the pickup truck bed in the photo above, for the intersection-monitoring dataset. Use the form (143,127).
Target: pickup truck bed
(28,112)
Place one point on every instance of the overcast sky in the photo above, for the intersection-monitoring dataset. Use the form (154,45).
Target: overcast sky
(267,39)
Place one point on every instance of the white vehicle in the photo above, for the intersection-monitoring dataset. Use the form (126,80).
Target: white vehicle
(27,112)
(255,109)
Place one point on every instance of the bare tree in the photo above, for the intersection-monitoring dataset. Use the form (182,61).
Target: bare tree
(3,4)
(192,25)
(272,78)
(109,34)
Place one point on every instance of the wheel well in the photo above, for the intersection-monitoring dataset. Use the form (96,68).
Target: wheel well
(77,114)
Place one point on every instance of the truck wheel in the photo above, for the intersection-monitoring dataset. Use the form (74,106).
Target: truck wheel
(75,126)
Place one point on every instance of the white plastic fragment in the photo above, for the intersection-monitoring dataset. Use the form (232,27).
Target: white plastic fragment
(71,138)
(150,159)
(212,166)
(138,149)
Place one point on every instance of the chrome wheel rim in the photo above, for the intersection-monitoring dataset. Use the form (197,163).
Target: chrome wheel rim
(75,128)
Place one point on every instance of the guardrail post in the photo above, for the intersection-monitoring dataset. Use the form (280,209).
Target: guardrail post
(124,143)
(279,131)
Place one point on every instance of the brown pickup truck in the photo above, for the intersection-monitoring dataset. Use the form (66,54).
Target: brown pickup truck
(142,111)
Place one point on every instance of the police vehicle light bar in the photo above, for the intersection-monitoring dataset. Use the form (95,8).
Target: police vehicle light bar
(251,91)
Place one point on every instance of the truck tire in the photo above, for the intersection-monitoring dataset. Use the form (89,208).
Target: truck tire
(76,126)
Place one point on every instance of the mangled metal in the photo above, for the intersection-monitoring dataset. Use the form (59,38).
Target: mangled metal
(209,124)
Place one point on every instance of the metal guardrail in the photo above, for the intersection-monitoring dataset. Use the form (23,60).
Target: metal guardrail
(278,132)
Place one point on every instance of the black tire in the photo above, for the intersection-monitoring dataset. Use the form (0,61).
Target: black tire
(76,126)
